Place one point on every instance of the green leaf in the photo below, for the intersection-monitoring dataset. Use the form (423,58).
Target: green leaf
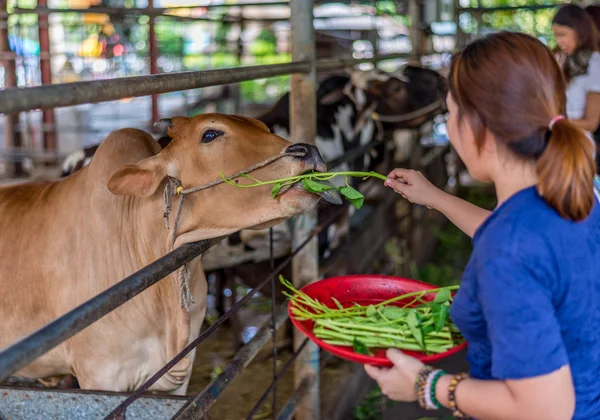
(360,347)
(371,311)
(440,315)
(313,186)
(275,190)
(442,296)
(413,324)
(393,313)
(352,195)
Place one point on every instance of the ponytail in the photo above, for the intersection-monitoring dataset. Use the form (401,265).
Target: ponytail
(566,171)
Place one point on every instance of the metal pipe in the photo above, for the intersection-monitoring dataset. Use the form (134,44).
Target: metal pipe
(207,333)
(46,338)
(305,267)
(341,62)
(69,94)
(141,10)
(283,370)
(197,408)
(48,117)
(153,62)
(293,403)
(12,135)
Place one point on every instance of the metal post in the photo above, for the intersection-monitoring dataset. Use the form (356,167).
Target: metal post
(303,129)
(153,61)
(12,133)
(49,127)
(237,91)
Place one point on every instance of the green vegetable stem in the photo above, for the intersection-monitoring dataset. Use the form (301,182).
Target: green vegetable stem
(418,325)
(314,182)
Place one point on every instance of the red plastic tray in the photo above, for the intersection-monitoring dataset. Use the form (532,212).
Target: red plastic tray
(364,289)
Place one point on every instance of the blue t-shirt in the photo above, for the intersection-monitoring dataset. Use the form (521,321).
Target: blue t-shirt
(529,302)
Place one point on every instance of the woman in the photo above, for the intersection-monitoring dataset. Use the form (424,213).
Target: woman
(577,38)
(529,301)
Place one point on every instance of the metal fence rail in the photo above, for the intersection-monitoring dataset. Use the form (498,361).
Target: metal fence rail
(69,94)
(46,338)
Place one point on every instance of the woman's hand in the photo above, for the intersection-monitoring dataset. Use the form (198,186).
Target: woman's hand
(413,186)
(398,382)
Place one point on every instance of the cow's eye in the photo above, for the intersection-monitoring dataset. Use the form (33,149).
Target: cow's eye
(210,135)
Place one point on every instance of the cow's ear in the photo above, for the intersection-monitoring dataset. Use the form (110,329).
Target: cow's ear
(139,180)
(332,97)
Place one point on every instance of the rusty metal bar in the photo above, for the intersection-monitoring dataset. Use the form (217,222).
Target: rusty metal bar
(294,402)
(46,338)
(200,405)
(303,119)
(141,10)
(510,8)
(336,63)
(217,323)
(68,94)
(12,136)
(273,385)
(153,61)
(48,117)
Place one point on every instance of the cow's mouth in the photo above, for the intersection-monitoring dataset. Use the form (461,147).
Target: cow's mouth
(331,196)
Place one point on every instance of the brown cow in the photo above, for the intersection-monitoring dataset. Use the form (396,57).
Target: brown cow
(65,242)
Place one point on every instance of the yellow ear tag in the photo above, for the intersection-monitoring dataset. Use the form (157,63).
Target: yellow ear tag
(179,189)
(375,115)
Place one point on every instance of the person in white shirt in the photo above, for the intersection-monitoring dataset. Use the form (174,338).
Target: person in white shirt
(579,40)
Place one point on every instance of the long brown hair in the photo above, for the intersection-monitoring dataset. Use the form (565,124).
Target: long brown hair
(510,84)
(576,18)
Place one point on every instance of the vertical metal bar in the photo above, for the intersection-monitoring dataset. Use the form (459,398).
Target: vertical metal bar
(303,129)
(12,133)
(237,91)
(48,118)
(273,321)
(153,61)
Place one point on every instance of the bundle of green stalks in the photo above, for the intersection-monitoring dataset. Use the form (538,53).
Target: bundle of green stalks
(419,325)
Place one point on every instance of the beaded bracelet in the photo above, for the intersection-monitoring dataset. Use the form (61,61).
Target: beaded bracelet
(452,394)
(435,377)
(420,383)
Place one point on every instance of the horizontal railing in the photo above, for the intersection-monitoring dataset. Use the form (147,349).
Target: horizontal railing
(78,93)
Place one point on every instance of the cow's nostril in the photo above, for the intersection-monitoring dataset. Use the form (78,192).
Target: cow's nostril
(298,148)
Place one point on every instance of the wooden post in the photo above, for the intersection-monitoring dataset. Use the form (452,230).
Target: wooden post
(415,10)
(303,129)
(12,131)
(48,117)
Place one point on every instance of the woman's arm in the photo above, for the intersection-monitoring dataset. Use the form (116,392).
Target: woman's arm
(546,397)
(413,186)
(591,116)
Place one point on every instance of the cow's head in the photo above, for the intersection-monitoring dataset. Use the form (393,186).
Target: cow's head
(410,90)
(202,148)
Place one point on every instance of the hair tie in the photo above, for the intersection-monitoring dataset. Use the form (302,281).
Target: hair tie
(554,120)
